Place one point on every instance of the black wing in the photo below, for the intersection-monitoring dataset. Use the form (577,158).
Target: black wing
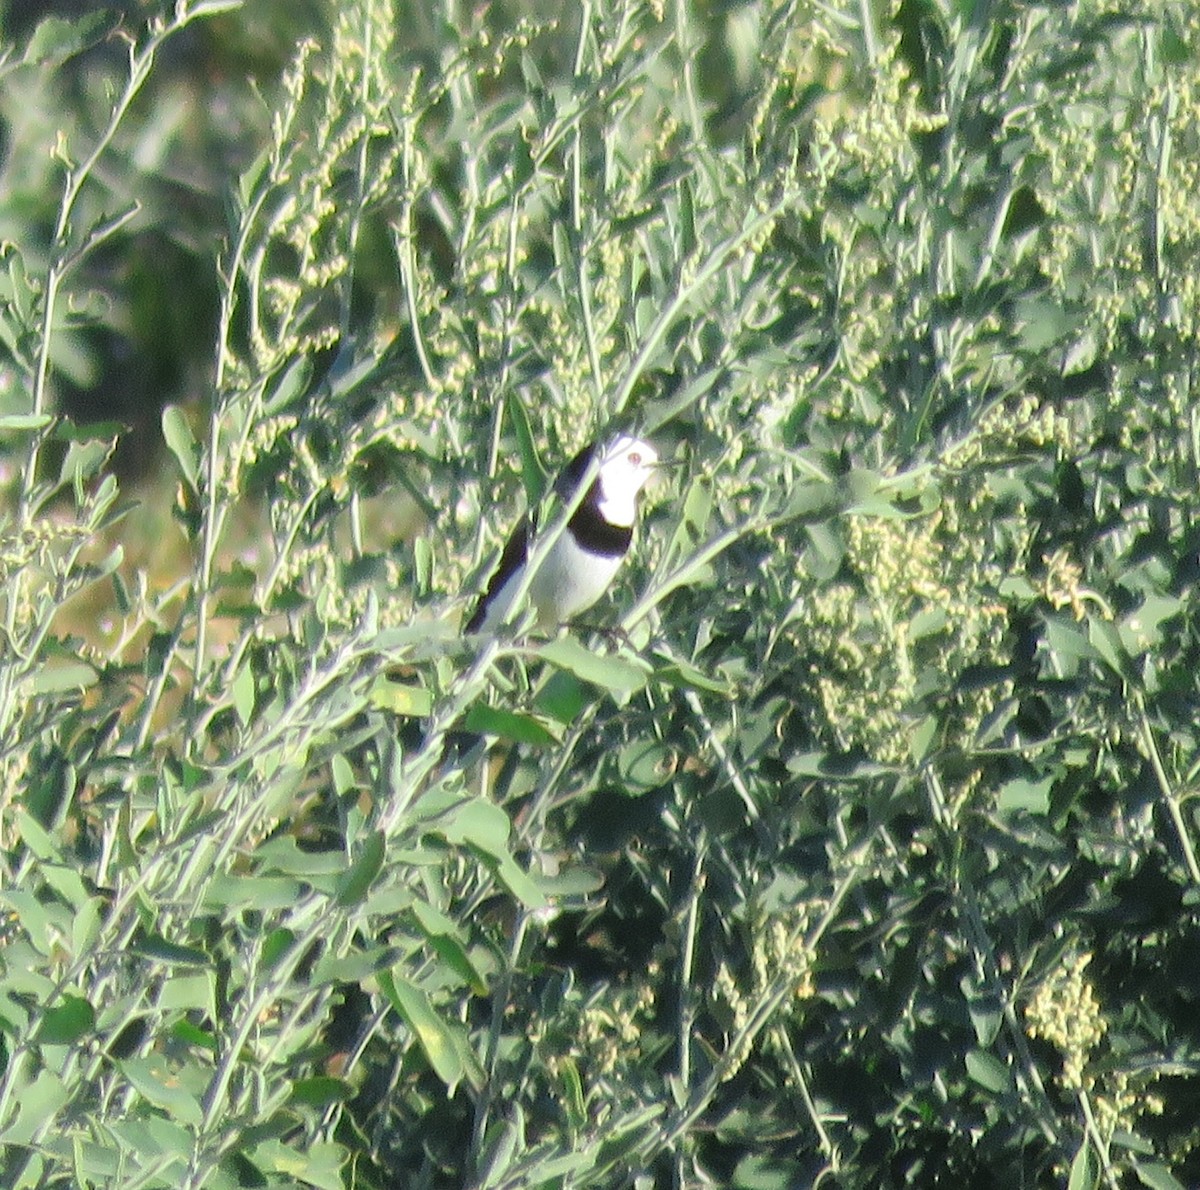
(516,550)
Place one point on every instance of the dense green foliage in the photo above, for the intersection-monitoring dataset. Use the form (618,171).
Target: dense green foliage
(863,852)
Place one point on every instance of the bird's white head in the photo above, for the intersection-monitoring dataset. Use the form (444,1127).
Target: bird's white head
(626,468)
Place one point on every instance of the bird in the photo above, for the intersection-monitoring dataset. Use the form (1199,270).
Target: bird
(585,558)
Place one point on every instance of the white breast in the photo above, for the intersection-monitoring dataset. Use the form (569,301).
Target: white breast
(568,582)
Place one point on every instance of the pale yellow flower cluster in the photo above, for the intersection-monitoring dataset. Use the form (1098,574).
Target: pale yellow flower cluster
(923,595)
(778,952)
(1066,1012)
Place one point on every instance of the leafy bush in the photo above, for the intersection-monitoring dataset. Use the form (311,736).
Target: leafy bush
(861,850)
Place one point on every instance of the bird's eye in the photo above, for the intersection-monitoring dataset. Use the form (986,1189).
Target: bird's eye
(634,457)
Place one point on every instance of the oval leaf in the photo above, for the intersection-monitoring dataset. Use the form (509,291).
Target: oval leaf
(69,1020)
(354,884)
(508,725)
(434,1035)
(989,1072)
(619,675)
(413,702)
(1158,1177)
(177,434)
(1085,1169)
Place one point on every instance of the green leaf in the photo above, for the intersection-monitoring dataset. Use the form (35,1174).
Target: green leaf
(35,836)
(25,421)
(159,949)
(95,433)
(687,218)
(243,694)
(41,927)
(82,461)
(572,883)
(1021,794)
(518,882)
(316,1165)
(986,1012)
(229,891)
(177,434)
(1068,644)
(693,521)
(503,1141)
(342,772)
(1106,640)
(194,992)
(347,373)
(1085,1169)
(618,675)
(572,1093)
(456,958)
(61,678)
(1157,1177)
(152,1136)
(159,1085)
(761,1172)
(682,675)
(423,560)
(321,1091)
(354,884)
(70,1019)
(189,1034)
(1130,1140)
(508,725)
(86,923)
(563,697)
(37,1106)
(282,854)
(443,1049)
(481,823)
(275,945)
(989,1072)
(1142,630)
(433,921)
(486,827)
(292,385)
(922,737)
(533,474)
(401,698)
(645,765)
(55,39)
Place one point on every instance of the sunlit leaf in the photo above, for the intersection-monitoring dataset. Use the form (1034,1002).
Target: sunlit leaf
(56,39)
(617,674)
(62,677)
(989,1072)
(510,725)
(479,823)
(563,697)
(177,434)
(66,1021)
(1157,1177)
(1023,794)
(401,698)
(354,884)
(321,1091)
(439,1040)
(1085,1169)
(244,694)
